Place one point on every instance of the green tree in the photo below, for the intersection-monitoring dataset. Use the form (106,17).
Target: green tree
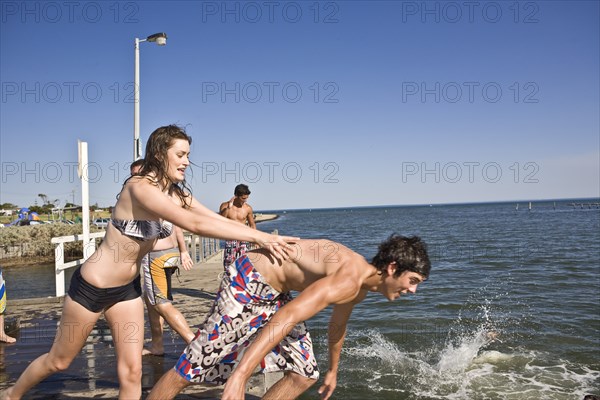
(44,198)
(37,209)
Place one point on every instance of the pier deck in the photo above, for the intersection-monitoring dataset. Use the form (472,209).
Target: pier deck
(93,373)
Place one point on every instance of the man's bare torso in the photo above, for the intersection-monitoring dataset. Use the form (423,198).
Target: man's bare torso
(239,214)
(310,260)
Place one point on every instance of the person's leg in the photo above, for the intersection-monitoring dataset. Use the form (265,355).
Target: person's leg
(165,308)
(126,321)
(290,386)
(75,326)
(3,336)
(213,353)
(175,320)
(156,331)
(169,386)
(295,355)
(229,252)
(155,284)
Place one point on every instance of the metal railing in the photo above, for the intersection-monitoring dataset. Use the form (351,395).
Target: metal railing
(59,256)
(199,247)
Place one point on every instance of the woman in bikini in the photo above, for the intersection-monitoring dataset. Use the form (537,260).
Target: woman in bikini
(108,282)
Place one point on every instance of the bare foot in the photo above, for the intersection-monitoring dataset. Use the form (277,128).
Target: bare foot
(151,352)
(7,339)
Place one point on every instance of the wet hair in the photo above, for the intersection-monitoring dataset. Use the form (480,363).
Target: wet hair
(135,164)
(241,190)
(154,165)
(409,254)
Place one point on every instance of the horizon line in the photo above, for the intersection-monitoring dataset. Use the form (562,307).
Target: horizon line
(434,204)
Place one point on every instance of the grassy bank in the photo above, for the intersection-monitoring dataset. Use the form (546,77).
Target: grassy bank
(25,245)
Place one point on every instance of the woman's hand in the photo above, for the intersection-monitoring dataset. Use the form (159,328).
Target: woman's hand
(277,245)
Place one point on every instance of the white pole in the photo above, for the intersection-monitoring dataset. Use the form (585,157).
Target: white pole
(85,198)
(137,145)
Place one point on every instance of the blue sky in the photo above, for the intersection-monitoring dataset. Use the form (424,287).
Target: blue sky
(312,104)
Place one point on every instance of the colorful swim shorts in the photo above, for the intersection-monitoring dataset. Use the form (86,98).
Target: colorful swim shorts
(158,267)
(233,250)
(244,304)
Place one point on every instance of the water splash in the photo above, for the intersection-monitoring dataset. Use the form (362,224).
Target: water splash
(472,331)
(462,368)
(457,358)
(481,356)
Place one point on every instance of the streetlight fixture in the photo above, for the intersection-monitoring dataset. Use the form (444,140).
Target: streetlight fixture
(161,40)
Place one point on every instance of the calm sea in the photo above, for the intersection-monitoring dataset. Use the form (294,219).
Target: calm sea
(531,276)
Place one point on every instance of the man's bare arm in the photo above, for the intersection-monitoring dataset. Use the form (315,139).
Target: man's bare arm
(251,222)
(337,332)
(224,208)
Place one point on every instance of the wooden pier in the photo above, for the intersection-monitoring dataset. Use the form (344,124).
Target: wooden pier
(93,373)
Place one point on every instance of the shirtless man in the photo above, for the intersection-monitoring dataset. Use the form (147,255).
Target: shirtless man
(237,209)
(249,314)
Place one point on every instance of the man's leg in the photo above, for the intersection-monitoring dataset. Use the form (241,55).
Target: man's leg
(156,331)
(157,283)
(175,320)
(290,386)
(169,386)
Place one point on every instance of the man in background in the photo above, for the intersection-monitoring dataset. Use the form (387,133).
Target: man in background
(237,209)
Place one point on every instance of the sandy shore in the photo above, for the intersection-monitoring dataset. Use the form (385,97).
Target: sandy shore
(92,374)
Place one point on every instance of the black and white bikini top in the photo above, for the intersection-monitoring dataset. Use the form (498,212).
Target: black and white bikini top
(143,229)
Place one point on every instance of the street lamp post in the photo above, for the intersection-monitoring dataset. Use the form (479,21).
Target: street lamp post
(161,40)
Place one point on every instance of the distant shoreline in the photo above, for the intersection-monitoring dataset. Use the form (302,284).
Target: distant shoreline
(259,217)
(416,205)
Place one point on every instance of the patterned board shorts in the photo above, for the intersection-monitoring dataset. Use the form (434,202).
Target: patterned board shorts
(234,249)
(158,267)
(244,304)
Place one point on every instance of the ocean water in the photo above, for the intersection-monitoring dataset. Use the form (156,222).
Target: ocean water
(532,277)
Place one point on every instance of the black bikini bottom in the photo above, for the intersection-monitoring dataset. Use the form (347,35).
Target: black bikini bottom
(97,299)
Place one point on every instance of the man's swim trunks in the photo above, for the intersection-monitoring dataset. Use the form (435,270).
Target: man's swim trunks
(234,249)
(2,294)
(244,304)
(158,267)
(97,299)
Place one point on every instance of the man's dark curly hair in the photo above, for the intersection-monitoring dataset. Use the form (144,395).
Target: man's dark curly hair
(409,253)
